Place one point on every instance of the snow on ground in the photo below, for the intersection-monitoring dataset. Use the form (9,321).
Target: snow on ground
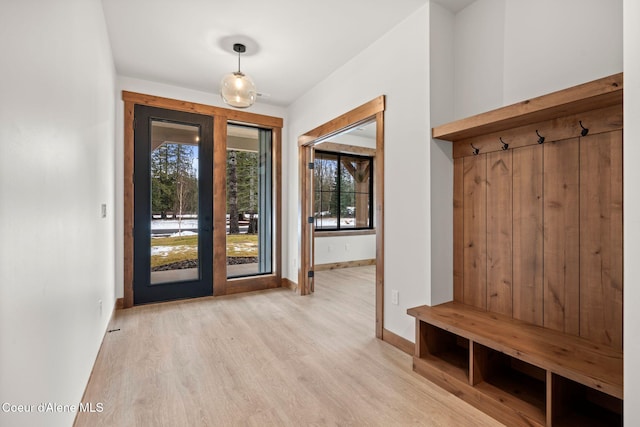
(173,224)
(163,251)
(244,247)
(184,233)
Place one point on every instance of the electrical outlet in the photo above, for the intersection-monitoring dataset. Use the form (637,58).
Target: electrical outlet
(346,247)
(100,306)
(329,248)
(394,296)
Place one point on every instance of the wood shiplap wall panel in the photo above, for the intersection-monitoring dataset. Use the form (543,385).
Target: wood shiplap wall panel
(601,238)
(538,231)
(527,234)
(499,232)
(458,226)
(562,236)
(475,231)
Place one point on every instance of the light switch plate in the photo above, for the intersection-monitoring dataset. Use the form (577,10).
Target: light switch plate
(394,297)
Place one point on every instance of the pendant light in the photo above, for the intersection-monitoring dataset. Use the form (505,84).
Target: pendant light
(237,89)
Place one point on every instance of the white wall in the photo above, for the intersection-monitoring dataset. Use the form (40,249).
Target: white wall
(56,169)
(631,209)
(167,91)
(442,65)
(509,51)
(329,250)
(550,45)
(399,70)
(479,57)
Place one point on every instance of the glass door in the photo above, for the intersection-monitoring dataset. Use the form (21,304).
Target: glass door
(173,206)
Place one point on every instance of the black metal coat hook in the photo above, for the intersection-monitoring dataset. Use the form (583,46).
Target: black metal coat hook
(584,131)
(505,146)
(476,151)
(540,137)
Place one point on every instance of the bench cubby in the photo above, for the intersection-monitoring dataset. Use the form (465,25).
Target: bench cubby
(575,404)
(445,350)
(506,379)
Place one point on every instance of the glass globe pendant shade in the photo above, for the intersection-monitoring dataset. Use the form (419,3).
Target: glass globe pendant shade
(238,90)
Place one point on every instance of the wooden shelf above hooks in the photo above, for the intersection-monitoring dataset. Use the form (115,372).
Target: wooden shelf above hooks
(594,95)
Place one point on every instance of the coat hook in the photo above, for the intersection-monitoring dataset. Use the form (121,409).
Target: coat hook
(584,131)
(476,151)
(505,146)
(540,137)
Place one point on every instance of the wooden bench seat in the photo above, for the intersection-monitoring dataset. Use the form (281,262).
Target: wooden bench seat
(519,373)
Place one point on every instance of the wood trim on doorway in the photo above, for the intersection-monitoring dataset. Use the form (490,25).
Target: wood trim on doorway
(221,116)
(379,221)
(370,111)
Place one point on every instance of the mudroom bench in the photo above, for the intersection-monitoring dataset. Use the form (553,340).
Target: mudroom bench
(519,373)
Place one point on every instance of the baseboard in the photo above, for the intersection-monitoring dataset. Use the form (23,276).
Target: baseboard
(398,342)
(286,283)
(119,303)
(104,335)
(344,264)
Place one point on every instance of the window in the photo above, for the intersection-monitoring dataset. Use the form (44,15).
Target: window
(343,185)
(249,201)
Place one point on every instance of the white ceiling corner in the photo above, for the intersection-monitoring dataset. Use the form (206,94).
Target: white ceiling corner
(454,6)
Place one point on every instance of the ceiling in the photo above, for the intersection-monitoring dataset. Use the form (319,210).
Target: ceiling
(291,44)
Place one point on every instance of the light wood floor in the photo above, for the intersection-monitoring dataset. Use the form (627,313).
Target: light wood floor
(262,359)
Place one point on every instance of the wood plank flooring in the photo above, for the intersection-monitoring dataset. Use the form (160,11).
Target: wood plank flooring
(262,359)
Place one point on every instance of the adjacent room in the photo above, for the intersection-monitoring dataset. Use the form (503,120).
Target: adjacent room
(418,212)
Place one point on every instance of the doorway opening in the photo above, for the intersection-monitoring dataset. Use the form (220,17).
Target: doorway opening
(353,208)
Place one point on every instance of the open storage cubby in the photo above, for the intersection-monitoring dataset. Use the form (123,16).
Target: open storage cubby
(577,405)
(444,350)
(518,384)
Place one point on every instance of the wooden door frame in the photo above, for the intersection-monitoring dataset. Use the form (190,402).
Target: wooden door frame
(221,118)
(370,111)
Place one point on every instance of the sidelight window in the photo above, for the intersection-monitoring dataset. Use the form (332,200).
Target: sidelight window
(249,201)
